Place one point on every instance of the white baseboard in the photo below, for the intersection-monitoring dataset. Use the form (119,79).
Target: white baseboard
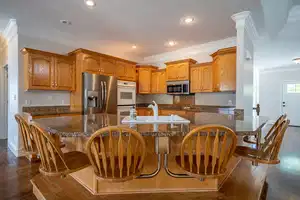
(15,151)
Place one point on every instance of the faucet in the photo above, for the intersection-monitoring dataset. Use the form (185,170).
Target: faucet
(154,107)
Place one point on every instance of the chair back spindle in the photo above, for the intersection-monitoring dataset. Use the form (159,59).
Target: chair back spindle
(206,150)
(116,153)
(27,137)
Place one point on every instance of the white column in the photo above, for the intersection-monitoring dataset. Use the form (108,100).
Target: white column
(246,34)
(11,34)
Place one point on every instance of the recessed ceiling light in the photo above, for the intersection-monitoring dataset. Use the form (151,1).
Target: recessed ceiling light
(171,43)
(67,22)
(187,20)
(296,60)
(90,3)
(134,46)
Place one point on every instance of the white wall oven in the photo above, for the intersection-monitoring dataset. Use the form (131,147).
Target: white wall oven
(126,98)
(126,93)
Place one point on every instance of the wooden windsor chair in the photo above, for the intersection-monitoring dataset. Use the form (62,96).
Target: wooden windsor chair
(253,140)
(206,150)
(116,153)
(53,161)
(268,152)
(27,138)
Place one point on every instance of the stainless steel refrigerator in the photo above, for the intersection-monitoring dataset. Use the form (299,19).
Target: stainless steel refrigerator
(99,94)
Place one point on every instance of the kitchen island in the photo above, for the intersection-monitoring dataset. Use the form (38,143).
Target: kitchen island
(161,140)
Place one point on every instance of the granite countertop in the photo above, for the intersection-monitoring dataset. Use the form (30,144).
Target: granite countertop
(60,110)
(50,110)
(86,125)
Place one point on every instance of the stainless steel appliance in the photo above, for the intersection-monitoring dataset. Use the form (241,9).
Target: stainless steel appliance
(178,87)
(99,93)
(126,98)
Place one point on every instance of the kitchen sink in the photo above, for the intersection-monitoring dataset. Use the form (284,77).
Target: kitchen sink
(173,119)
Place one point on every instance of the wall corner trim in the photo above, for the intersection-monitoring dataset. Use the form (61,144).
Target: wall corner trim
(15,151)
(11,29)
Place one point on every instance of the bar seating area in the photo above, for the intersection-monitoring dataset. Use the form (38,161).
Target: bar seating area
(113,159)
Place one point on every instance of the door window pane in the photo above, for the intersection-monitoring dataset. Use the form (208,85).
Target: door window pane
(293,88)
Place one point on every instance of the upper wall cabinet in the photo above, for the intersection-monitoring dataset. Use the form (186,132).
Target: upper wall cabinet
(108,66)
(224,70)
(91,63)
(48,71)
(201,78)
(126,71)
(158,82)
(145,79)
(179,70)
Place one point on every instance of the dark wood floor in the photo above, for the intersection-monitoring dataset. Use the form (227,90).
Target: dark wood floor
(283,180)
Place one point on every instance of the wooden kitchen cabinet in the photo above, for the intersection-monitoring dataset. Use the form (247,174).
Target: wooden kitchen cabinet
(126,71)
(48,71)
(91,63)
(145,78)
(107,66)
(224,70)
(158,82)
(179,70)
(64,73)
(201,78)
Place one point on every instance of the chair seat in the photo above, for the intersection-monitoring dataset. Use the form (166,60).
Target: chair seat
(74,160)
(114,175)
(210,171)
(246,152)
(253,155)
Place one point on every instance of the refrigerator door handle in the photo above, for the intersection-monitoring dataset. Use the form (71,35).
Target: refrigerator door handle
(105,95)
(102,95)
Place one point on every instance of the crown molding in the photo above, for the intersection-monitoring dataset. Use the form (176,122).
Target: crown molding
(292,67)
(11,30)
(245,21)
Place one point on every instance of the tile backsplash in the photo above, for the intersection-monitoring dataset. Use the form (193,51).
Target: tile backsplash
(211,99)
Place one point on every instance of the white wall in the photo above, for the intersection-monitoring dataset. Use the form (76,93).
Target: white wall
(270,88)
(201,53)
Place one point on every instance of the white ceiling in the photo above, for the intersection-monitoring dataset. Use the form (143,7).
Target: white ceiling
(282,49)
(114,25)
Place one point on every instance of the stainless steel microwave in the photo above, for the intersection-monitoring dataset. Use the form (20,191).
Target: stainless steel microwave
(178,87)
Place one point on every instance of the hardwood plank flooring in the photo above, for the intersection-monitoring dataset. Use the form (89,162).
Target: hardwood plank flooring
(282,181)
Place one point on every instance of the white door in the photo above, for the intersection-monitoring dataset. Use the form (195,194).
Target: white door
(291,102)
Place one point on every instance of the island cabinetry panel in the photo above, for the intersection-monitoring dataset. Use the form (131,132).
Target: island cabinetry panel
(179,70)
(224,70)
(145,78)
(201,78)
(48,71)
(158,82)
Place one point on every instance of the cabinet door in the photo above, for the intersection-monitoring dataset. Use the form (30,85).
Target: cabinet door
(121,72)
(195,80)
(91,63)
(228,72)
(161,85)
(216,68)
(171,72)
(131,72)
(65,74)
(154,82)
(206,77)
(41,72)
(145,80)
(108,66)
(182,71)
